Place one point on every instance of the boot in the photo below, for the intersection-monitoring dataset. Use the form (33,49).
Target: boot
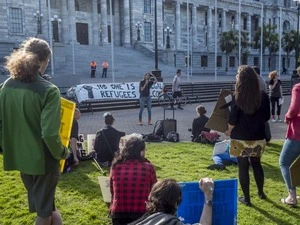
(291,200)
(149,122)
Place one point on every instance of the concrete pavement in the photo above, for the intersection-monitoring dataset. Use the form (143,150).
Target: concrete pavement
(127,120)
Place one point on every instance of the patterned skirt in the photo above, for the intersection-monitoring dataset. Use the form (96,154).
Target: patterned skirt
(247,148)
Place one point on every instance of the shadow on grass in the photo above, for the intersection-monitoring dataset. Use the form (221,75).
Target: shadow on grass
(275,218)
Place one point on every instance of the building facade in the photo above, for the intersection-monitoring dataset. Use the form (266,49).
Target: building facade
(183,27)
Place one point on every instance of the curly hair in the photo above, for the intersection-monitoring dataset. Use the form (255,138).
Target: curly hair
(247,90)
(165,196)
(131,150)
(24,64)
(273,74)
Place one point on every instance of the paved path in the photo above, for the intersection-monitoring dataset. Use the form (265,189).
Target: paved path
(127,120)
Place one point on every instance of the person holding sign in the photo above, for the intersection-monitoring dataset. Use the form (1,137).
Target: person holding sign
(250,110)
(166,196)
(145,98)
(30,110)
(107,141)
(291,147)
(131,179)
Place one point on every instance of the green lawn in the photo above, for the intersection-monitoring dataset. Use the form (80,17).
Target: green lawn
(80,202)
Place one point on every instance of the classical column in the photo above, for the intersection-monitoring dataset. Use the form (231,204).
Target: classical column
(178,27)
(209,26)
(224,19)
(95,24)
(249,26)
(72,22)
(194,25)
(126,23)
(236,21)
(64,22)
(117,23)
(104,22)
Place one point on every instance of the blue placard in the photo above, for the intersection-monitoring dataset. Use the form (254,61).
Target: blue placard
(224,202)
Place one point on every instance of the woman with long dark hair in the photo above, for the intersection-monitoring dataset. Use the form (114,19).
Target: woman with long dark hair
(249,112)
(131,179)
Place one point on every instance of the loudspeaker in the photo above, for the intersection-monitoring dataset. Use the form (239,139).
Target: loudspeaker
(169,125)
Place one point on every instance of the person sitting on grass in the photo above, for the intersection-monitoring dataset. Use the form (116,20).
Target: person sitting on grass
(164,199)
(131,179)
(199,123)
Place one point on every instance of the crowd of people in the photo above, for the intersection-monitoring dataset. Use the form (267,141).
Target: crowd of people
(31,103)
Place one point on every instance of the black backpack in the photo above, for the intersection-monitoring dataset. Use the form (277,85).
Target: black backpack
(159,128)
(172,136)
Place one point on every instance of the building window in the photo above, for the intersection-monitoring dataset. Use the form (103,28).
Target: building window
(220,20)
(147,6)
(15,21)
(219,61)
(204,60)
(77,6)
(245,23)
(256,61)
(232,61)
(256,23)
(147,31)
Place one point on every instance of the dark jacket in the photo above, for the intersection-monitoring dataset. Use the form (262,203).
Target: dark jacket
(107,143)
(199,126)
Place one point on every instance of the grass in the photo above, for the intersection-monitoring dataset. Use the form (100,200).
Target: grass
(79,199)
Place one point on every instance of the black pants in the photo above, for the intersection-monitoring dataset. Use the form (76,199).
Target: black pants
(93,73)
(104,72)
(243,164)
(275,100)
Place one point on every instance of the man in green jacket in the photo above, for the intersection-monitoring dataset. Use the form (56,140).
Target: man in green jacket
(29,127)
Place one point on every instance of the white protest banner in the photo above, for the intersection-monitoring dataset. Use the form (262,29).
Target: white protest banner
(90,142)
(90,92)
(105,188)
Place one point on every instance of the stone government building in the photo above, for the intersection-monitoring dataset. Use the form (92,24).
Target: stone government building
(86,24)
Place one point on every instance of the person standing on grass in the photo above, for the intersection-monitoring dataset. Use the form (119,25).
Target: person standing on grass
(275,94)
(131,179)
(30,110)
(291,147)
(145,97)
(176,88)
(249,112)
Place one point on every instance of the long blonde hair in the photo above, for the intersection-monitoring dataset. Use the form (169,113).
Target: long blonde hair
(24,63)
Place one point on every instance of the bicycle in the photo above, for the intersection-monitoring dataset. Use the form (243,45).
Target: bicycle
(166,100)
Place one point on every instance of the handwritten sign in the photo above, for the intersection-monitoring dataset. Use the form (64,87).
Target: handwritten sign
(66,121)
(90,142)
(89,92)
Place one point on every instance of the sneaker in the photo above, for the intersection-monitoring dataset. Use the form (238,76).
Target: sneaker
(141,123)
(179,107)
(216,167)
(279,120)
(274,121)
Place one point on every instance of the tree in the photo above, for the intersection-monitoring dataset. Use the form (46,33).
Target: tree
(288,43)
(228,40)
(270,39)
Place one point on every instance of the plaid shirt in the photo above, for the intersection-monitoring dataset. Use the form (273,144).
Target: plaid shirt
(130,185)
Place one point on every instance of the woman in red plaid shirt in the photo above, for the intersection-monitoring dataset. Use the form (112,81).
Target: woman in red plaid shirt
(131,179)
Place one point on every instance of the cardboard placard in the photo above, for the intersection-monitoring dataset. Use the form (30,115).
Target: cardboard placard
(90,142)
(294,172)
(218,120)
(105,188)
(224,202)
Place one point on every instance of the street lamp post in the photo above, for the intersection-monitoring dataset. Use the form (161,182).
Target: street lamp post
(138,26)
(156,72)
(297,45)
(168,31)
(38,15)
(55,21)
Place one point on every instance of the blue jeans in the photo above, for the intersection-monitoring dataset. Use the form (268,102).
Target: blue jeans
(290,152)
(218,159)
(143,101)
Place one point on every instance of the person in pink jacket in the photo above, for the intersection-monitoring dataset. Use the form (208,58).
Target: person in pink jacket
(291,147)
